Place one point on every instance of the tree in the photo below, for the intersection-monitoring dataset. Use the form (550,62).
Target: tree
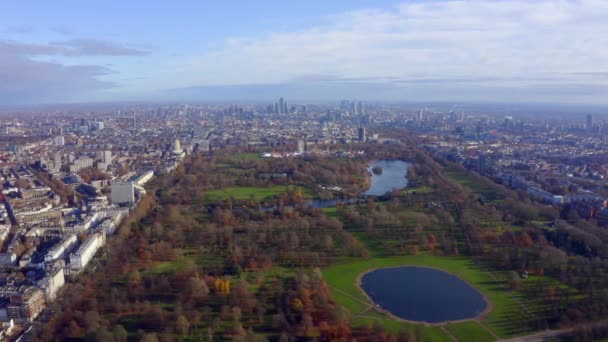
(182,325)
(197,288)
(150,337)
(515,281)
(120,333)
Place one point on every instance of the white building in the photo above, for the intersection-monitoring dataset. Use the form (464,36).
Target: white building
(57,161)
(81,164)
(123,193)
(59,250)
(110,224)
(60,140)
(50,284)
(98,125)
(86,251)
(144,178)
(107,157)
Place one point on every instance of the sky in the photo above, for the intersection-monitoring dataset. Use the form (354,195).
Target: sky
(550,51)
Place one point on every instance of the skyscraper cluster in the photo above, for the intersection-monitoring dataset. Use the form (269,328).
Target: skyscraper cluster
(355,107)
(279,107)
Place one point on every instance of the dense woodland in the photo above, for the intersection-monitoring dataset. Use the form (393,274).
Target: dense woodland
(186,266)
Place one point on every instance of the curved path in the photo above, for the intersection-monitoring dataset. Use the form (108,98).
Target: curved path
(540,336)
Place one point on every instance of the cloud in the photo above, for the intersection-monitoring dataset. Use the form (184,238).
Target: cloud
(510,43)
(97,47)
(63,30)
(26,77)
(24,29)
(24,80)
(71,48)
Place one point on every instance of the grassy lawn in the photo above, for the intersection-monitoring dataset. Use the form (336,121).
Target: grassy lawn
(502,320)
(477,186)
(245,192)
(417,190)
(243,156)
(168,267)
(470,331)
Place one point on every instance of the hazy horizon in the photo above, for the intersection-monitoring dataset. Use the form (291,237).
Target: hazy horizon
(511,51)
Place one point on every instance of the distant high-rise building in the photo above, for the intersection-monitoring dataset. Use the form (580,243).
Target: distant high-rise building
(453,117)
(301,146)
(177,146)
(281,106)
(589,122)
(421,115)
(57,161)
(59,140)
(362,134)
(107,156)
(508,123)
(98,125)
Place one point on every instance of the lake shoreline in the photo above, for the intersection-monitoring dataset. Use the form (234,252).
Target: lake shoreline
(370,175)
(479,317)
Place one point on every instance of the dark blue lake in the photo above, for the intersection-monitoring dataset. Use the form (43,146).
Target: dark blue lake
(393,176)
(423,294)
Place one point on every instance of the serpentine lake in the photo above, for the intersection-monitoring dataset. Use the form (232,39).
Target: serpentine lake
(423,294)
(393,176)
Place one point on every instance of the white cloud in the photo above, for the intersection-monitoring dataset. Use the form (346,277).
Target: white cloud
(504,43)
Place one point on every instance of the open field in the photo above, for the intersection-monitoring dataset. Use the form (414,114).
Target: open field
(470,331)
(502,320)
(470,182)
(246,192)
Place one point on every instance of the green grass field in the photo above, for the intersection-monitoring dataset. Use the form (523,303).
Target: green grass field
(470,331)
(470,182)
(242,156)
(246,192)
(502,320)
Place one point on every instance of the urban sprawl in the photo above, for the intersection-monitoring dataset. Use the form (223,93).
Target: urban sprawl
(70,176)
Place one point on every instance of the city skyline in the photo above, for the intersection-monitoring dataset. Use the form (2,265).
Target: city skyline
(492,51)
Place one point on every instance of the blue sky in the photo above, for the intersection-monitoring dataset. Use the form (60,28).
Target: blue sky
(440,50)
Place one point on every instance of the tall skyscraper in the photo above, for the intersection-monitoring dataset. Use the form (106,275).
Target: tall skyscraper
(589,122)
(57,161)
(134,121)
(281,105)
(362,134)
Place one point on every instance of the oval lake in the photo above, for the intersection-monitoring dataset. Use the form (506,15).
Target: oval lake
(423,294)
